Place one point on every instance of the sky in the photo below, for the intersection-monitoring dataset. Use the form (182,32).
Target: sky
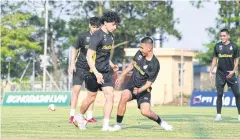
(193,24)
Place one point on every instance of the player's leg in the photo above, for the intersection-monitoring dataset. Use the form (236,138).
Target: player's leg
(220,83)
(92,86)
(125,97)
(74,100)
(87,102)
(109,96)
(81,121)
(147,112)
(90,114)
(77,82)
(219,103)
(235,90)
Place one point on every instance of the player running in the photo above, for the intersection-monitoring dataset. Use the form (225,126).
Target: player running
(145,68)
(79,66)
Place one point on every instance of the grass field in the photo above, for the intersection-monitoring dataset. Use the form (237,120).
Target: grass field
(38,122)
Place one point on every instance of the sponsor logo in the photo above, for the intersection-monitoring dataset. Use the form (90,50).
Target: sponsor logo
(107,47)
(209,99)
(199,99)
(146,98)
(138,68)
(224,55)
(36,99)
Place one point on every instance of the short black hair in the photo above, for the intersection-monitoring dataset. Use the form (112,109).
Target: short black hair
(147,40)
(110,16)
(95,21)
(225,30)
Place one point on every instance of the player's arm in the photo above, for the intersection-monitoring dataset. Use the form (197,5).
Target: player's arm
(111,63)
(235,56)
(90,60)
(113,66)
(144,87)
(74,54)
(94,41)
(214,63)
(127,70)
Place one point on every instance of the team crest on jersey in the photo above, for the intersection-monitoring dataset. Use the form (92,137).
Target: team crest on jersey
(139,57)
(87,39)
(220,47)
(231,48)
(145,66)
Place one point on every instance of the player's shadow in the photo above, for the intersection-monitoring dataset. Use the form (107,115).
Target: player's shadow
(194,118)
(139,127)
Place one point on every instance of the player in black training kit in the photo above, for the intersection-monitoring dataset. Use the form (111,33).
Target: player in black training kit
(227,53)
(79,66)
(98,58)
(145,67)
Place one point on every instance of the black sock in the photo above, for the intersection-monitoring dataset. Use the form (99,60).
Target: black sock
(219,104)
(119,119)
(158,119)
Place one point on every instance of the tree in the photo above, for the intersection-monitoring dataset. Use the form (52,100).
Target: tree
(228,17)
(17,41)
(144,18)
(57,32)
(138,19)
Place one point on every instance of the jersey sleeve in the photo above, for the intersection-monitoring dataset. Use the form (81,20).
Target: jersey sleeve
(154,73)
(79,42)
(94,41)
(136,55)
(215,54)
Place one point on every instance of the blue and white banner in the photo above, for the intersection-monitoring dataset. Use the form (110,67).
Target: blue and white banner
(209,99)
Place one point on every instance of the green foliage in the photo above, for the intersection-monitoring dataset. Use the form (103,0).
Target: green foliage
(17,42)
(16,35)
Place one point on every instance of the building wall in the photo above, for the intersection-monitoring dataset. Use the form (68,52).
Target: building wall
(187,76)
(196,85)
(162,87)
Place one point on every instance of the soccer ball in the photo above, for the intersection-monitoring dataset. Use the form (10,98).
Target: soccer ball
(51,107)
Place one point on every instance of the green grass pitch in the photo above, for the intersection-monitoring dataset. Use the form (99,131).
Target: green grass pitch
(188,123)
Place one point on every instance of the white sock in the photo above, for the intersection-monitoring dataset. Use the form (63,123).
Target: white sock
(89,115)
(78,117)
(105,122)
(72,112)
(120,124)
(219,115)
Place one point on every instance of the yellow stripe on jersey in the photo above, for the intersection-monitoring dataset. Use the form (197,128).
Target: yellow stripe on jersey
(78,54)
(94,60)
